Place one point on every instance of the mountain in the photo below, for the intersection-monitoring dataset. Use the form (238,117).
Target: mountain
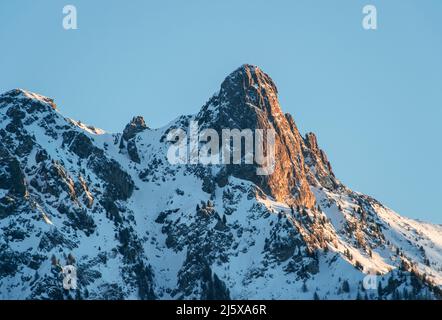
(138,227)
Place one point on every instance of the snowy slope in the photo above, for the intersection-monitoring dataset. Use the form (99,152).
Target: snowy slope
(141,228)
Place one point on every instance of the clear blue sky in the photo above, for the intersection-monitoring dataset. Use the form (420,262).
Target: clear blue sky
(374,98)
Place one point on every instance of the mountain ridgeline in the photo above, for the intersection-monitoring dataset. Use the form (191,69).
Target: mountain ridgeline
(137,227)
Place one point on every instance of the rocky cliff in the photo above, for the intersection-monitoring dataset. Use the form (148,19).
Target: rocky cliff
(137,227)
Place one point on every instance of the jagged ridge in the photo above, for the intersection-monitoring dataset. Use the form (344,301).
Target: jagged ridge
(139,227)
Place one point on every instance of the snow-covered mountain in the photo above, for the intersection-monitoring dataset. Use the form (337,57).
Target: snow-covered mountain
(138,227)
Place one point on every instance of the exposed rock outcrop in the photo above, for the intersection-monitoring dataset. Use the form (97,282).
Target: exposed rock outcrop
(248,99)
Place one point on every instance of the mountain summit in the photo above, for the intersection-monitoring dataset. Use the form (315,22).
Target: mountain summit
(137,227)
(248,99)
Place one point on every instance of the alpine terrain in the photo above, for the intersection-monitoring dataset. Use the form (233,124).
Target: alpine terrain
(136,226)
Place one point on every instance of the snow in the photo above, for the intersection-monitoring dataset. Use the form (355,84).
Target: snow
(250,272)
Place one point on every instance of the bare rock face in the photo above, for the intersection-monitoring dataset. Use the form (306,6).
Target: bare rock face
(317,161)
(136,125)
(248,99)
(108,202)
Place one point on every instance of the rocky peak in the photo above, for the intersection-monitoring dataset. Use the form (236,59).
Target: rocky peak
(31,101)
(248,99)
(248,85)
(136,125)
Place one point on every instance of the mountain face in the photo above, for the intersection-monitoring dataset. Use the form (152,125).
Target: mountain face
(137,227)
(248,100)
